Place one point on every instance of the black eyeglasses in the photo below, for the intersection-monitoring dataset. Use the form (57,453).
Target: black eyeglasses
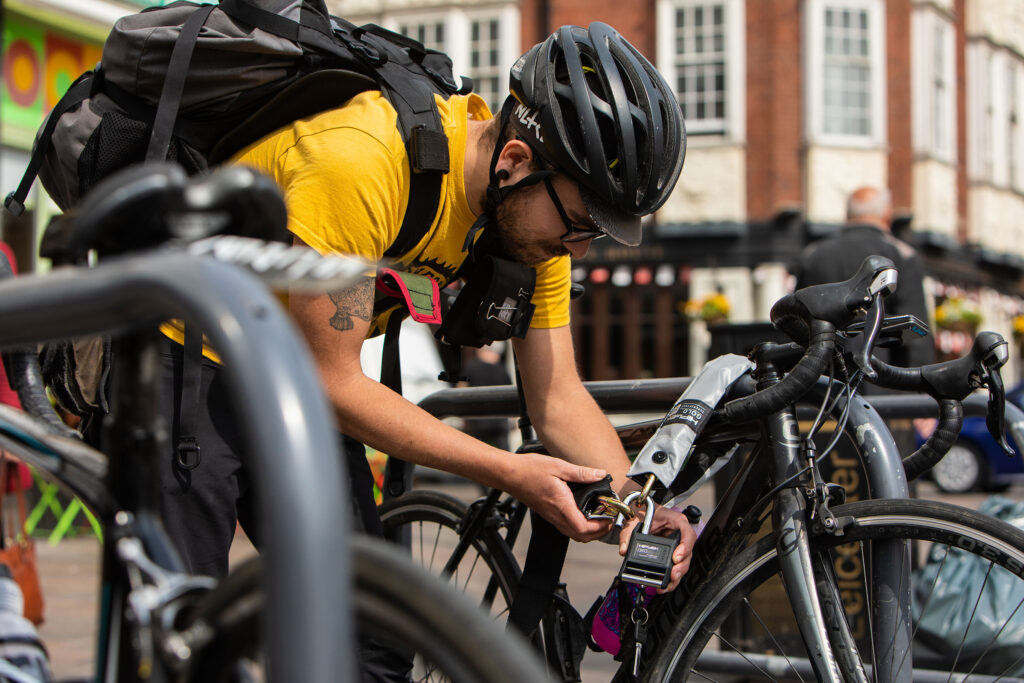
(572,233)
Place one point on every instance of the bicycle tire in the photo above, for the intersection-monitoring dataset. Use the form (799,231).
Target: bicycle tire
(686,621)
(434,520)
(395,601)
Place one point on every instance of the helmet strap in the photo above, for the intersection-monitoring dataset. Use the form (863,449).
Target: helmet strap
(495,193)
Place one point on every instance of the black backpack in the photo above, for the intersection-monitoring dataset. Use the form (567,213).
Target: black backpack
(196,83)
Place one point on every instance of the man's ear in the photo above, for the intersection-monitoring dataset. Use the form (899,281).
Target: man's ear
(516,159)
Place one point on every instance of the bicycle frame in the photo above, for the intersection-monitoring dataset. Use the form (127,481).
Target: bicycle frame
(735,519)
(292,448)
(882,466)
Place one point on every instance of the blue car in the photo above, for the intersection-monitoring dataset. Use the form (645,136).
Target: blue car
(976,462)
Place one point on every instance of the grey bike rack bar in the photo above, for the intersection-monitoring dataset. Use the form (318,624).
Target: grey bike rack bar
(654,395)
(796,669)
(638,396)
(274,385)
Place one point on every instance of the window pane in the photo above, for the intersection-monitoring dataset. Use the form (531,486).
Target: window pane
(701,46)
(485,59)
(846,96)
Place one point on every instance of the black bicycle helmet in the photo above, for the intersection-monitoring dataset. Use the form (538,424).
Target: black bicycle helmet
(592,106)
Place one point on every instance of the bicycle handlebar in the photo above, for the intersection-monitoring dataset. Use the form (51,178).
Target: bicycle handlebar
(950,383)
(150,204)
(26,379)
(811,317)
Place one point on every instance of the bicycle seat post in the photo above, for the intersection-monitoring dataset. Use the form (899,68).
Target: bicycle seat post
(135,436)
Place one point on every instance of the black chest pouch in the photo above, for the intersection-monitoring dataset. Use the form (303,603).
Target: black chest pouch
(494,305)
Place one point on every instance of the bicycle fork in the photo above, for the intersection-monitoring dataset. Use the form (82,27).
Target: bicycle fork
(810,581)
(789,517)
(790,522)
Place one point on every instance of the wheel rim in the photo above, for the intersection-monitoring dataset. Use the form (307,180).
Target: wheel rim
(993,593)
(433,535)
(958,471)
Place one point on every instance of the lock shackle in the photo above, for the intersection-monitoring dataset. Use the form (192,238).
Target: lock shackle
(648,518)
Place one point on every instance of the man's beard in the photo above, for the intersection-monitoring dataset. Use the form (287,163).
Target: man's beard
(514,242)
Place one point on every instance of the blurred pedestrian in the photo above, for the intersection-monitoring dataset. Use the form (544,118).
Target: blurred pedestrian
(486,369)
(868,231)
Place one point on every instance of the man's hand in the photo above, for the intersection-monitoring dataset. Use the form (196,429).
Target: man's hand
(540,482)
(665,520)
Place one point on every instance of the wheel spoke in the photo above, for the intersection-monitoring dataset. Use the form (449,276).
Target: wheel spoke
(995,639)
(771,634)
(747,659)
(433,554)
(927,602)
(970,621)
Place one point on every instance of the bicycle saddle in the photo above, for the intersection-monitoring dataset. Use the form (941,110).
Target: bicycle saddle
(146,205)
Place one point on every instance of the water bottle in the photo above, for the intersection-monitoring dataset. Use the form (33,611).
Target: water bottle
(22,655)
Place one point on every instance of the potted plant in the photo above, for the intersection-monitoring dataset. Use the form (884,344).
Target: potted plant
(958,314)
(712,309)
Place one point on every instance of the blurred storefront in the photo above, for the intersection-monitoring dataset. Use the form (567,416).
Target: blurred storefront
(47,44)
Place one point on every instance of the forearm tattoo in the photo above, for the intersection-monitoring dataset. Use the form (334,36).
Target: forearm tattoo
(354,302)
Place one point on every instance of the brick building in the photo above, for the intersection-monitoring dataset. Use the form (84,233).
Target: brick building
(789,105)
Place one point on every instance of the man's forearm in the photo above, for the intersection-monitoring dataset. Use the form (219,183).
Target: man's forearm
(373,414)
(576,430)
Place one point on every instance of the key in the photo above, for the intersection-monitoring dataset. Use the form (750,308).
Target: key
(639,619)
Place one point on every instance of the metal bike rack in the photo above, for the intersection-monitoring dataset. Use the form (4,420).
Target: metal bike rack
(292,451)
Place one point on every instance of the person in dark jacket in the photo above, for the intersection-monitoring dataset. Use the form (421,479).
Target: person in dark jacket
(486,370)
(867,232)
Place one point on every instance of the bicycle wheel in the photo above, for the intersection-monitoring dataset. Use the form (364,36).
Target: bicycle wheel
(396,603)
(967,587)
(431,522)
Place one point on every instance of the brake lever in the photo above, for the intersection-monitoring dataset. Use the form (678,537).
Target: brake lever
(995,418)
(861,346)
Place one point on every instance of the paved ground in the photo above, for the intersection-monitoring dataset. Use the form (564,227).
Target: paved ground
(69,574)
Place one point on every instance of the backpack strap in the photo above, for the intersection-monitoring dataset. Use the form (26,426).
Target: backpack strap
(424,198)
(397,473)
(313,27)
(186,452)
(545,556)
(174,84)
(76,94)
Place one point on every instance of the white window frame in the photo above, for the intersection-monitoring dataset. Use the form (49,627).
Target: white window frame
(424,22)
(457,23)
(733,126)
(933,87)
(814,68)
(1015,125)
(979,111)
(995,109)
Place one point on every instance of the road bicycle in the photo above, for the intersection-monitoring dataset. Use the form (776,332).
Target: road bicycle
(787,581)
(291,614)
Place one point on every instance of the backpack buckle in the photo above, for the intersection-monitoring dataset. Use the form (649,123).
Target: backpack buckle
(13,205)
(187,455)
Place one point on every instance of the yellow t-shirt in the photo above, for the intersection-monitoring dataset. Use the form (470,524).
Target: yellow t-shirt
(345,178)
